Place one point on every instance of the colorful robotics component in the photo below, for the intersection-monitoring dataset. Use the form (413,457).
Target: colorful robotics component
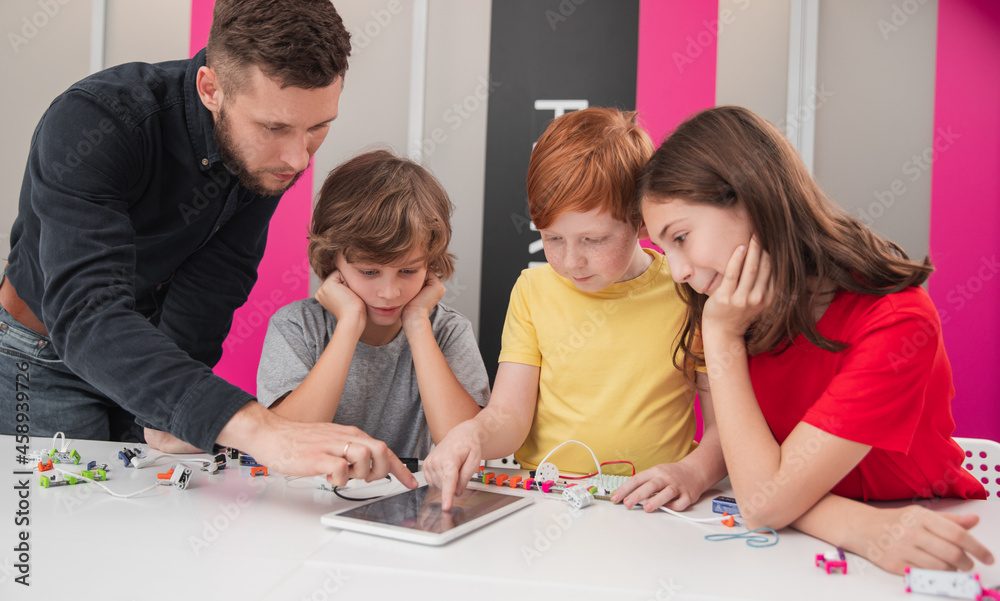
(833,561)
(65,456)
(955,585)
(178,476)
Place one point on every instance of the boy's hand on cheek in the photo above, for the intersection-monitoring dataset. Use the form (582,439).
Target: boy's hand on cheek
(337,298)
(745,292)
(419,309)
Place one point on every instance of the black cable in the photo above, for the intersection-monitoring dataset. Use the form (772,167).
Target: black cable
(337,492)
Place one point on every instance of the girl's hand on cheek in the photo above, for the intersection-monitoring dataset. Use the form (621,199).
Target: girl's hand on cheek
(423,303)
(747,289)
(337,298)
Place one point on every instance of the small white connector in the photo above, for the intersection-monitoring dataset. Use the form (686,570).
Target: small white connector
(140,462)
(546,471)
(578,496)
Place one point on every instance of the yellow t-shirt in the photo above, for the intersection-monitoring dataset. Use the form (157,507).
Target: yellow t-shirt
(607,378)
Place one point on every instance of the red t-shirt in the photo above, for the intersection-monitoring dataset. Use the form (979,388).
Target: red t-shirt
(891,388)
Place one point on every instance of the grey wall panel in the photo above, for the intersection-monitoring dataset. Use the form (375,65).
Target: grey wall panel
(150,31)
(752,56)
(454,144)
(46,49)
(374,103)
(876,67)
(373,106)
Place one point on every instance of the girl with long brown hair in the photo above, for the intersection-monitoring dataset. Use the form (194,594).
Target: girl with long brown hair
(824,355)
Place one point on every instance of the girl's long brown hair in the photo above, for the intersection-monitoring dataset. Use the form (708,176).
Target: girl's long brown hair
(729,155)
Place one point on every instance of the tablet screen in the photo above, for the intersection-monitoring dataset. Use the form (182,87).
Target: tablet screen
(420,509)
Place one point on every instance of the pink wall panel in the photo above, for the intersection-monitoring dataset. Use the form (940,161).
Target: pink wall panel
(677,54)
(284,272)
(965,208)
(676,72)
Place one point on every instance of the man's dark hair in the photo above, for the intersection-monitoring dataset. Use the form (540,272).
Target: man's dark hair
(300,43)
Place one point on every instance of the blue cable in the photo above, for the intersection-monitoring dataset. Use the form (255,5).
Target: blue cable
(752,539)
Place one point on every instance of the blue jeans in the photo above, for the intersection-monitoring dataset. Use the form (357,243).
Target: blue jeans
(34,381)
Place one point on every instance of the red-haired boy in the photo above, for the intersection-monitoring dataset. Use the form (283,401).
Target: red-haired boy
(579,360)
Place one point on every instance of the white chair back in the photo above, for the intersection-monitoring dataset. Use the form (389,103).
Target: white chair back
(982,459)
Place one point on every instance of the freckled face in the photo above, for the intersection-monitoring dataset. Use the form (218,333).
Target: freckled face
(697,239)
(593,249)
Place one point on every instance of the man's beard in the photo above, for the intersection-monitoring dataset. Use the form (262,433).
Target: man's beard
(251,180)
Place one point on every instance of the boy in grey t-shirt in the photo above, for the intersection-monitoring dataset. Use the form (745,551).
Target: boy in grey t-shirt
(375,344)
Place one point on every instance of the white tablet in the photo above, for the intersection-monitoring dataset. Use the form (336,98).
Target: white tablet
(416,515)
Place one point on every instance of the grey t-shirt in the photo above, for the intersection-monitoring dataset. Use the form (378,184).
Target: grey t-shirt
(381,395)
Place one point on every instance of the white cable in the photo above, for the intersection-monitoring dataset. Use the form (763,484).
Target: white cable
(706,520)
(106,489)
(604,489)
(201,463)
(65,444)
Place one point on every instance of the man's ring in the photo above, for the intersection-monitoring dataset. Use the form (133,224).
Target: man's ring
(346,446)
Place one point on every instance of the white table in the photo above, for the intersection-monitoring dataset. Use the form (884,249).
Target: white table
(229,536)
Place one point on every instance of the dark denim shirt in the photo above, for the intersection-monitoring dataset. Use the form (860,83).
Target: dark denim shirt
(134,244)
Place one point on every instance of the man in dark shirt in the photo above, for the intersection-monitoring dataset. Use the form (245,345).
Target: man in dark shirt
(142,219)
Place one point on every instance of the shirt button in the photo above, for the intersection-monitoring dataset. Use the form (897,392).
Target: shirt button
(204,162)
